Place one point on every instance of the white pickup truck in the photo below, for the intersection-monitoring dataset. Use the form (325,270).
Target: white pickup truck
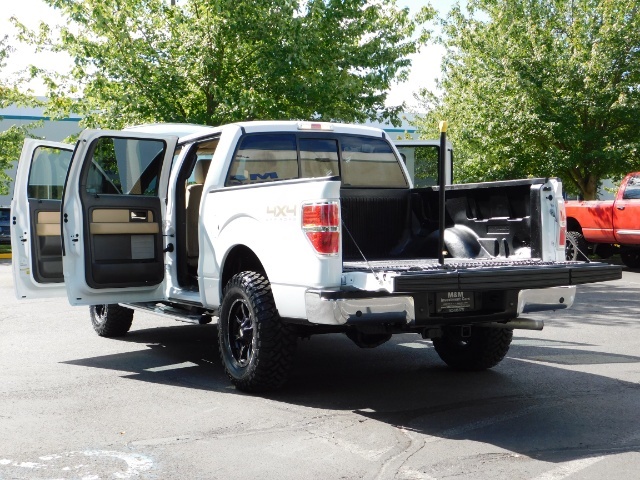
(280,230)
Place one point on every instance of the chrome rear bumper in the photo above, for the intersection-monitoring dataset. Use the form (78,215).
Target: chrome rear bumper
(352,308)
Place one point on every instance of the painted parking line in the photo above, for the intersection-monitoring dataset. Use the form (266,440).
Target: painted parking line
(71,465)
(175,366)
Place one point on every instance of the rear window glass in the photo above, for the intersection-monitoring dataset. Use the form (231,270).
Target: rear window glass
(319,157)
(370,162)
(360,161)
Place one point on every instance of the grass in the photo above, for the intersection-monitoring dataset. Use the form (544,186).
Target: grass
(5,248)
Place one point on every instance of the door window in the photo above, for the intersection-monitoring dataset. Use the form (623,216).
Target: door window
(632,190)
(424,161)
(48,173)
(125,166)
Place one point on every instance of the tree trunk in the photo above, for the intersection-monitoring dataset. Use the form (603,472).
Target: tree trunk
(587,184)
(590,187)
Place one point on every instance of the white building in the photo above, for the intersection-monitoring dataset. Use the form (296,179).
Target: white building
(46,128)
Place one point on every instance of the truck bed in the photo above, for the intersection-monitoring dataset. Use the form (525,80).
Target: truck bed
(489,220)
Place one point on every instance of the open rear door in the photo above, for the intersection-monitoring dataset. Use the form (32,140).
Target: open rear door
(35,219)
(112,217)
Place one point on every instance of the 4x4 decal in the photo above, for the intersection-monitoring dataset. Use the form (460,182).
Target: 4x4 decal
(281,211)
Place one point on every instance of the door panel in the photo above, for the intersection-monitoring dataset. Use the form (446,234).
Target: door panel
(125,243)
(35,218)
(46,246)
(113,212)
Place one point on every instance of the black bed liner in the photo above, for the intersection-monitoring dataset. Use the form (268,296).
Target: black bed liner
(427,275)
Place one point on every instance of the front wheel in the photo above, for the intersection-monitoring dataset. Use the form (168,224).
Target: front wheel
(111,320)
(256,347)
(576,246)
(481,349)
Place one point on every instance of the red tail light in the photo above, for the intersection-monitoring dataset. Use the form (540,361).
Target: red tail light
(562,223)
(321,224)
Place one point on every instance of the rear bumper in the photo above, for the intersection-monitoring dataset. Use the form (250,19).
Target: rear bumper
(347,308)
(545,299)
(332,307)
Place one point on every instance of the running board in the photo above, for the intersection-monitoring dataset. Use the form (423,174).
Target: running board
(174,313)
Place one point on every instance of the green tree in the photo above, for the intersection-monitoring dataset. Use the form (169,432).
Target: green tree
(218,61)
(11,139)
(541,88)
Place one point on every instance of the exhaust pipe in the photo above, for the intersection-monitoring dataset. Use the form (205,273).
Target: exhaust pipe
(518,324)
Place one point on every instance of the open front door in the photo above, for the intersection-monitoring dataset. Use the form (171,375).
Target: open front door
(112,217)
(421,158)
(35,219)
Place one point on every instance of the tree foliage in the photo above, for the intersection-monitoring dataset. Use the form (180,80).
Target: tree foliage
(541,88)
(218,61)
(11,139)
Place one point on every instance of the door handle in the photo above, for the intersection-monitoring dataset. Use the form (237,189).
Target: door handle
(620,207)
(138,215)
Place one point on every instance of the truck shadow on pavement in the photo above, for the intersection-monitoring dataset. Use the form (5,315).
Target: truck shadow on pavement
(537,402)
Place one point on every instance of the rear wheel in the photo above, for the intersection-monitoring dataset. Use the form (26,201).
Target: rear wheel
(256,347)
(481,349)
(631,258)
(111,320)
(576,246)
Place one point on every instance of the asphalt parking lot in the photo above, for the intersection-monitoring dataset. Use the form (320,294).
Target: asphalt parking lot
(156,404)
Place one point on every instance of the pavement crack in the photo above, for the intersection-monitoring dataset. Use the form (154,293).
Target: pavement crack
(390,467)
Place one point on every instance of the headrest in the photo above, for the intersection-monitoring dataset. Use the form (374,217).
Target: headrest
(200,171)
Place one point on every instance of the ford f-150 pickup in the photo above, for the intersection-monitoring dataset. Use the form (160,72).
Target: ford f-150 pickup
(281,230)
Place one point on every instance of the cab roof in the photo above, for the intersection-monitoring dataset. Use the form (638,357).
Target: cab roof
(189,131)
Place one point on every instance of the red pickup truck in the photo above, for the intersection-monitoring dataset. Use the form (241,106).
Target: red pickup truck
(607,226)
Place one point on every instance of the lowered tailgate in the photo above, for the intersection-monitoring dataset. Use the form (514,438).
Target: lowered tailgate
(427,275)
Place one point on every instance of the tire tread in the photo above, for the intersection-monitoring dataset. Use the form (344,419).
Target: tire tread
(485,349)
(275,342)
(116,320)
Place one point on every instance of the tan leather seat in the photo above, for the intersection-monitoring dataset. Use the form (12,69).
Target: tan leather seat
(193,197)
